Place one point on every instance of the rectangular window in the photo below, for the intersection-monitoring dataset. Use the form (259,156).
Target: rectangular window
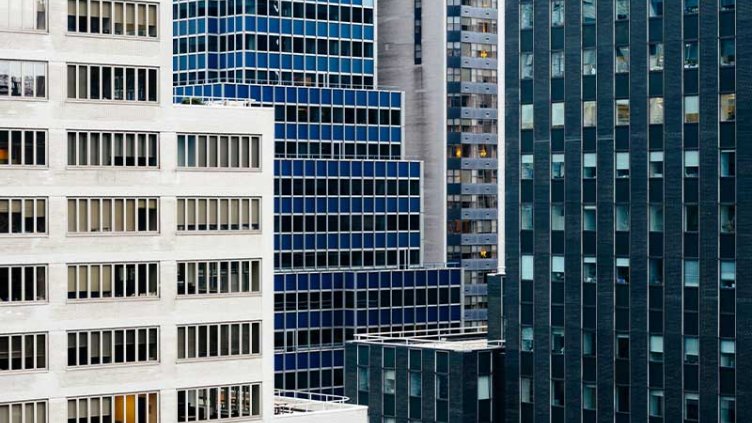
(622,59)
(691,164)
(557,64)
(622,271)
(23,284)
(557,166)
(98,18)
(727,409)
(26,351)
(527,116)
(113,215)
(219,340)
(655,406)
(526,217)
(588,218)
(655,217)
(113,149)
(589,397)
(527,169)
(589,114)
(113,281)
(219,403)
(622,165)
(526,268)
(656,110)
(727,52)
(557,115)
(655,271)
(691,7)
(526,15)
(727,218)
(23,216)
(728,274)
(691,350)
(691,55)
(622,112)
(557,12)
(589,270)
(23,79)
(588,11)
(691,218)
(589,166)
(727,353)
(23,148)
(622,217)
(526,339)
(218,151)
(727,5)
(526,390)
(622,9)
(589,61)
(226,277)
(526,66)
(656,164)
(691,273)
(557,217)
(87,348)
(23,15)
(655,8)
(116,408)
(691,406)
(728,107)
(218,214)
(112,83)
(27,412)
(656,348)
(656,56)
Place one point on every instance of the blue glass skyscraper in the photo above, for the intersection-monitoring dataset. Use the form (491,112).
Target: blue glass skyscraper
(349,208)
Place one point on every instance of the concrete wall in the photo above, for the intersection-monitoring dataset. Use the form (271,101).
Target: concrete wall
(56,114)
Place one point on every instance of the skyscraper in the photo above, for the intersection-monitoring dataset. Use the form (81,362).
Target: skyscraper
(627,210)
(135,285)
(349,207)
(444,54)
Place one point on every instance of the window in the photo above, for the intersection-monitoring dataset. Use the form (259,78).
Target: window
(622,59)
(218,277)
(656,164)
(526,268)
(28,412)
(113,346)
(691,218)
(22,147)
(26,351)
(588,11)
(728,107)
(526,15)
(727,51)
(526,343)
(557,393)
(23,216)
(727,217)
(557,115)
(589,166)
(557,340)
(113,215)
(557,217)
(622,165)
(691,406)
(622,399)
(557,64)
(112,83)
(116,408)
(526,217)
(691,164)
(226,340)
(23,284)
(727,353)
(557,12)
(589,114)
(526,390)
(113,149)
(23,15)
(727,4)
(727,409)
(656,56)
(219,214)
(390,381)
(113,280)
(589,270)
(557,269)
(691,273)
(656,8)
(589,401)
(527,116)
(589,61)
(526,66)
(728,274)
(622,271)
(218,151)
(728,163)
(219,403)
(656,403)
(622,217)
(655,271)
(691,55)
(588,218)
(656,348)
(622,345)
(656,110)
(691,350)
(690,6)
(622,112)
(622,9)
(23,79)
(106,17)
(527,170)
(557,166)
(484,387)
(588,343)
(656,217)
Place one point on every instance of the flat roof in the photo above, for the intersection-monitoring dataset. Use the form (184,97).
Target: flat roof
(454,339)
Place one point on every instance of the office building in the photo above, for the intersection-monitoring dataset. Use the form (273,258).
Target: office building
(450,375)
(444,55)
(349,206)
(627,211)
(136,270)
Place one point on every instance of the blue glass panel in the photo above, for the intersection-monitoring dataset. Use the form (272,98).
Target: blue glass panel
(297,168)
(397,316)
(297,205)
(380,240)
(361,134)
(286,26)
(315,319)
(409,316)
(302,360)
(385,318)
(314,359)
(420,314)
(290,361)
(349,319)
(292,131)
(326,319)
(368,204)
(303,131)
(396,135)
(367,241)
(326,132)
(326,281)
(344,65)
(339,133)
(302,319)
(391,240)
(310,63)
(404,239)
(297,242)
(391,205)
(338,97)
(291,321)
(333,205)
(332,241)
(302,281)
(286,242)
(349,280)
(373,317)
(274,25)
(286,61)
(357,66)
(344,30)
(250,23)
(338,317)
(297,62)
(349,133)
(310,28)
(278,362)
(268,94)
(297,27)
(349,98)
(321,205)
(321,29)
(279,321)
(310,242)
(344,241)
(256,92)
(321,241)
(310,205)
(326,96)
(286,205)
(373,133)
(357,32)
(333,30)
(383,134)
(263,24)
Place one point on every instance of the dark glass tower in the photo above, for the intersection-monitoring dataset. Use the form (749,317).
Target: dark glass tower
(348,206)
(628,210)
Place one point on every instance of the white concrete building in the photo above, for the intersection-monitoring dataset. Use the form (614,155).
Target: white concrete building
(135,235)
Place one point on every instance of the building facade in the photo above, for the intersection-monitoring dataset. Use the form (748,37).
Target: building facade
(627,210)
(347,201)
(135,282)
(444,54)
(454,375)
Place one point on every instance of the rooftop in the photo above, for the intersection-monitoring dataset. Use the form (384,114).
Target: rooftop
(469,338)
(306,404)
